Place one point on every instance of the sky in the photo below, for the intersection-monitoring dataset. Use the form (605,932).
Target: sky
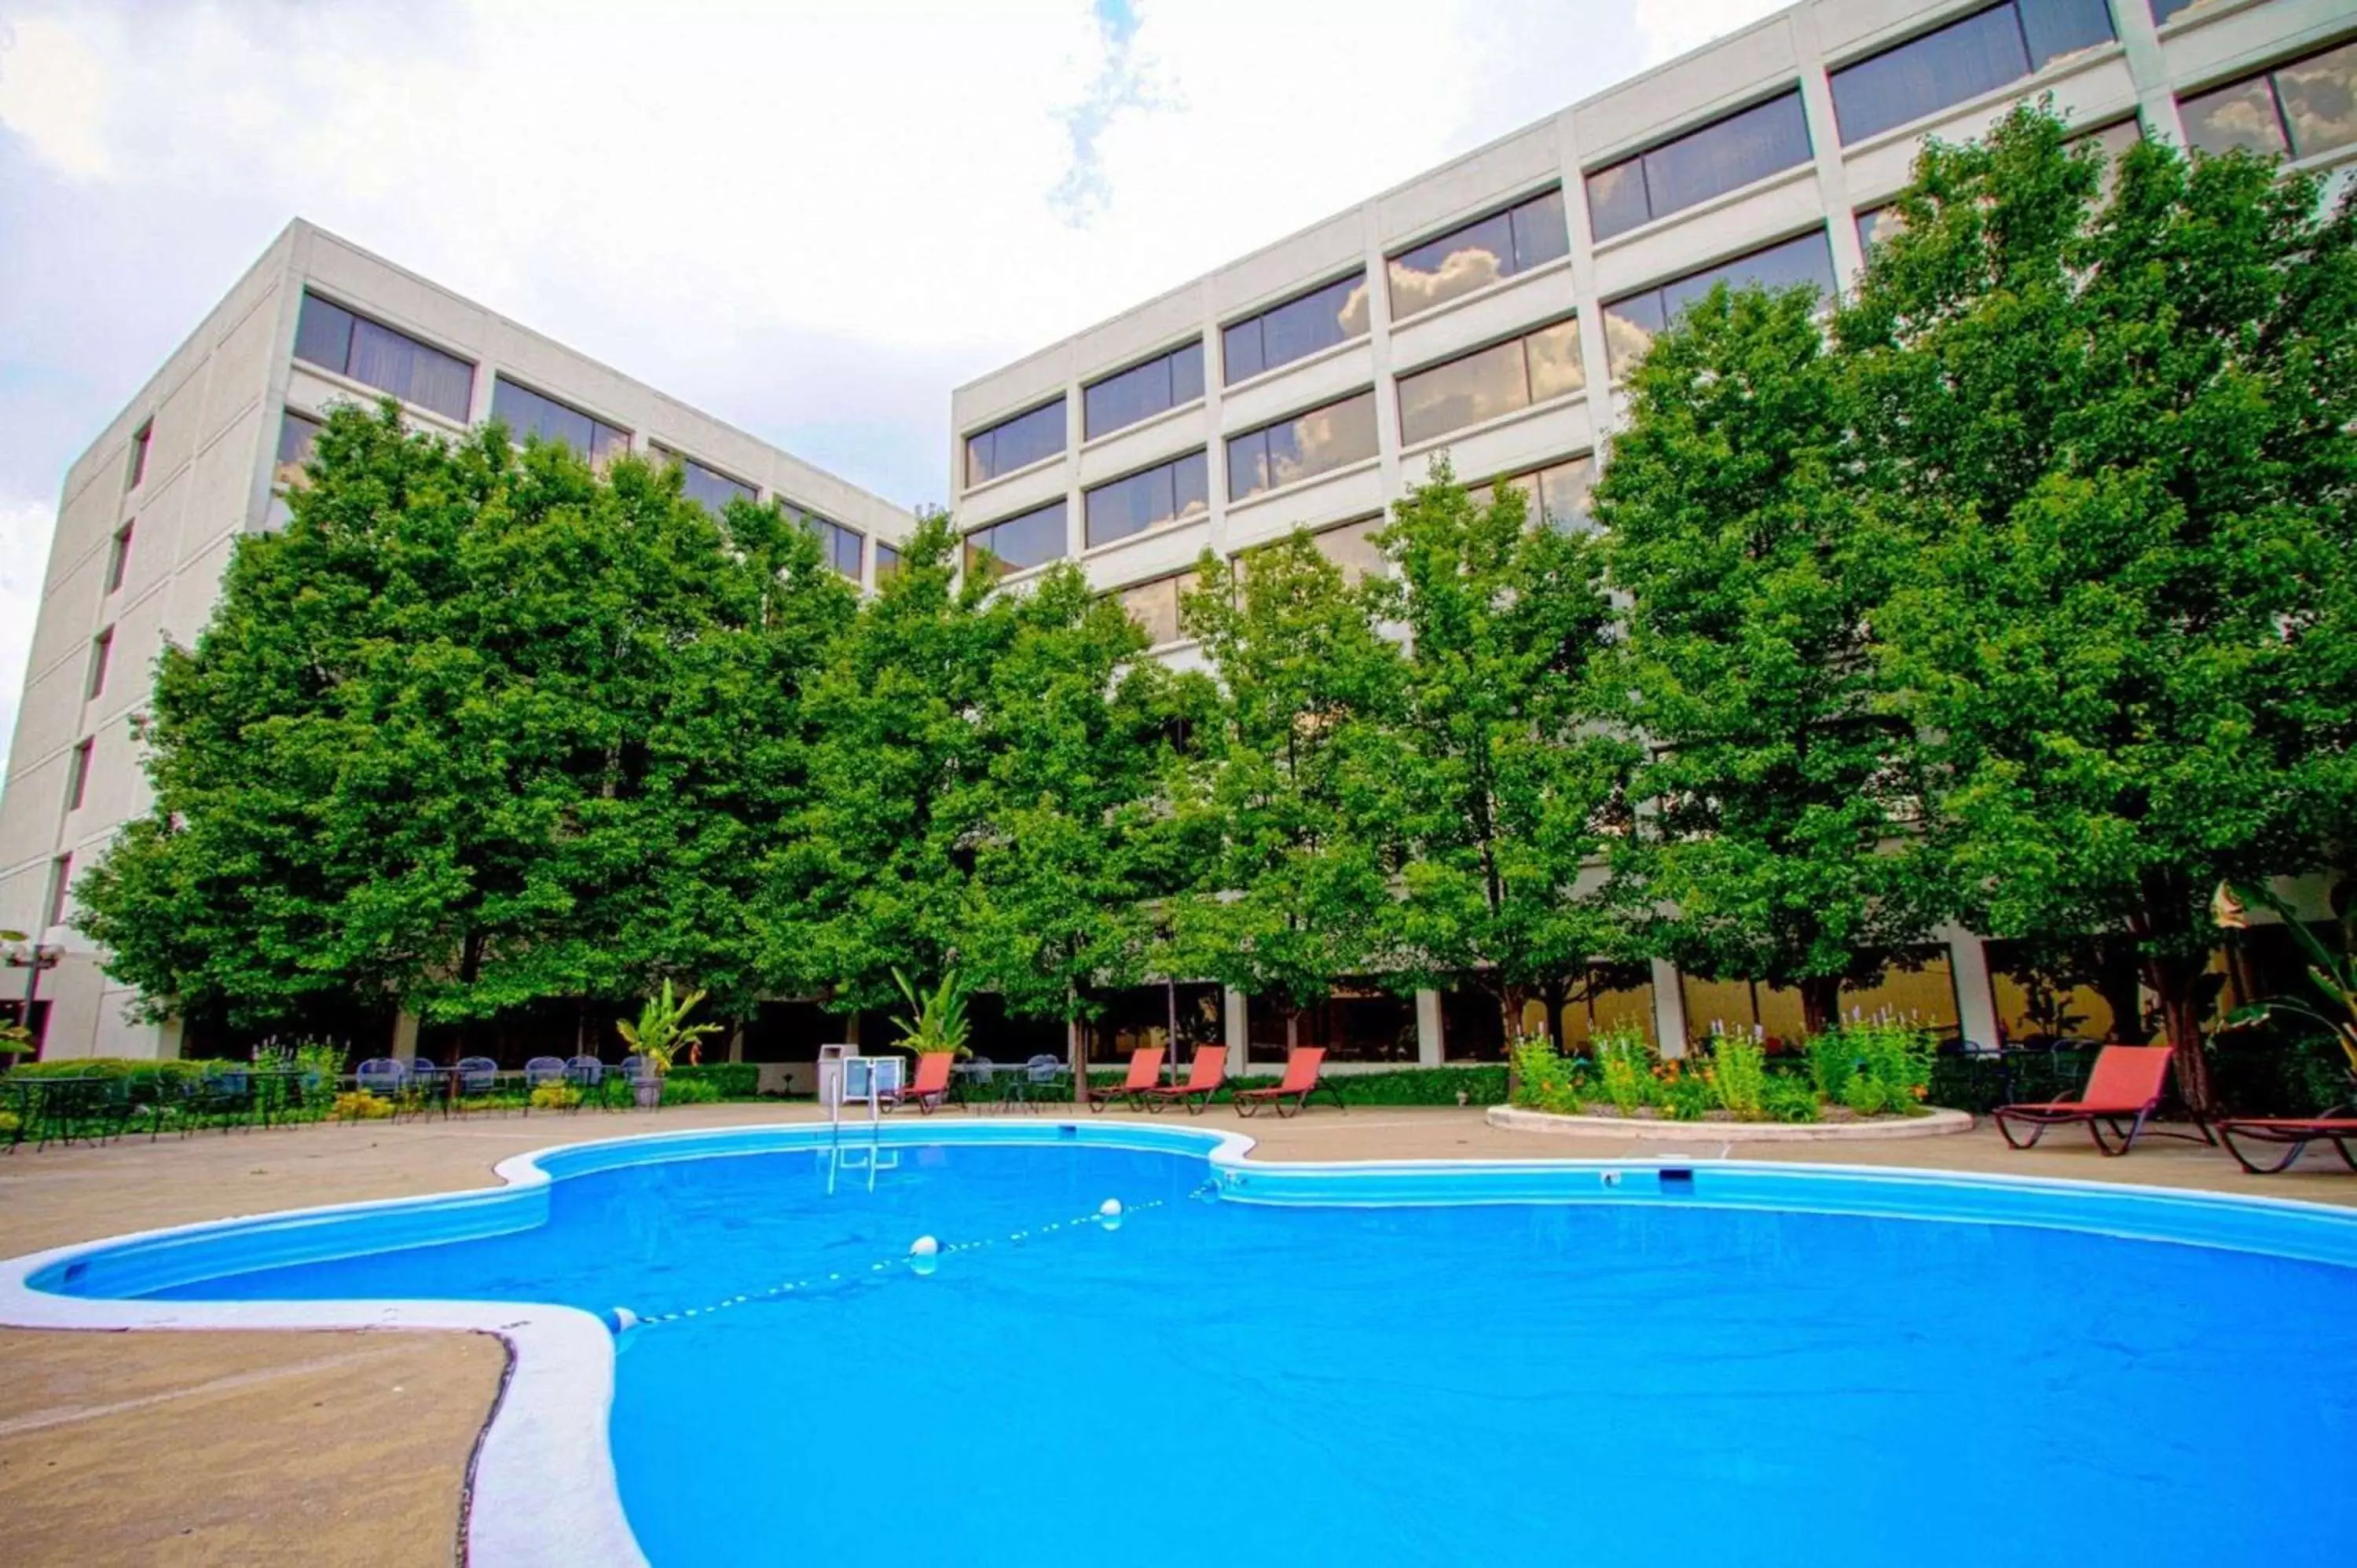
(810,221)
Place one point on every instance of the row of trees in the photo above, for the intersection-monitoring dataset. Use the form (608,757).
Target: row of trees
(2020,592)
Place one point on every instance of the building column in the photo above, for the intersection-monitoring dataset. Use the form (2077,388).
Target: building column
(1430,1038)
(1669,1010)
(1975,998)
(1233,1005)
(404,1036)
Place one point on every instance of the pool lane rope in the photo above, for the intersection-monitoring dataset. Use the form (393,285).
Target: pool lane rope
(923,1256)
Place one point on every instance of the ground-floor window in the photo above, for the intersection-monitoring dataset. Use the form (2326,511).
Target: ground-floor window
(1359,1021)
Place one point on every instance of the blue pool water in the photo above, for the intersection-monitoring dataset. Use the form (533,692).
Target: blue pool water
(1565,1384)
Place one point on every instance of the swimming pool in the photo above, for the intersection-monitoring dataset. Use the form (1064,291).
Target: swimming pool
(1399,1363)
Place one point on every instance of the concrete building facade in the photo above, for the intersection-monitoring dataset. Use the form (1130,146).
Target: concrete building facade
(1485,310)
(201,454)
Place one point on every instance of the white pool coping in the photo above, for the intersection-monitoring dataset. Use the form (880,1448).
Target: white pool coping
(543,1491)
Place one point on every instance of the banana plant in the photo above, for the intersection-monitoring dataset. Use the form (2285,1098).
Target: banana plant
(2333,974)
(663,1030)
(937,1021)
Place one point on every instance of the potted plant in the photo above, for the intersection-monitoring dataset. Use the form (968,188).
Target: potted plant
(660,1033)
(937,1022)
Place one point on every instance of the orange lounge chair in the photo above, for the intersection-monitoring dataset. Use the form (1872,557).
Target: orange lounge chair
(2122,1093)
(1144,1073)
(2337,1126)
(1205,1073)
(1301,1081)
(930,1088)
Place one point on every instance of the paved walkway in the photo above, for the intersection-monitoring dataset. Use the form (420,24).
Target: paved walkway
(352,1448)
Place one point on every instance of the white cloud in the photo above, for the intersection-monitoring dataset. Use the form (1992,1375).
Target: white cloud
(53,92)
(1671,27)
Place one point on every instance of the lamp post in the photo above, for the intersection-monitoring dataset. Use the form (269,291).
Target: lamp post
(33,957)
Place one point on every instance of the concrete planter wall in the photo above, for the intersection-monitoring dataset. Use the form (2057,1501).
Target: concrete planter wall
(1937,1124)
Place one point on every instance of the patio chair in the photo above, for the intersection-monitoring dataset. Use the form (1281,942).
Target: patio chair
(1145,1072)
(540,1070)
(478,1079)
(1042,1079)
(428,1084)
(1301,1081)
(2337,1127)
(1205,1074)
(382,1077)
(2122,1094)
(929,1090)
(588,1074)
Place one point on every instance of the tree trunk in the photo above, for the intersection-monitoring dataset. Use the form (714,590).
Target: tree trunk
(1556,994)
(1820,1002)
(2173,983)
(1512,1000)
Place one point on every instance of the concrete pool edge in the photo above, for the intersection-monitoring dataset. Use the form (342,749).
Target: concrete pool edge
(543,1488)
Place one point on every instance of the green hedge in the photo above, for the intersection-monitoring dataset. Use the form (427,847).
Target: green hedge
(148,1077)
(1483,1085)
(729,1080)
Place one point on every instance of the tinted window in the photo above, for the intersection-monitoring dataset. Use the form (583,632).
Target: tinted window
(1294,330)
(2320,100)
(528,414)
(1298,448)
(1015,443)
(888,562)
(141,439)
(1463,260)
(1978,54)
(1352,548)
(1170,492)
(709,487)
(1490,382)
(1556,495)
(118,557)
(839,544)
(2243,115)
(1708,161)
(1031,539)
(1141,391)
(1155,608)
(334,338)
(1632,321)
(296,434)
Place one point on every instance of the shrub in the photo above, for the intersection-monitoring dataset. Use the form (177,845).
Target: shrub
(359,1105)
(1864,1096)
(1897,1059)
(680,1091)
(1687,1096)
(729,1080)
(1833,1062)
(1545,1080)
(1739,1076)
(1791,1098)
(1624,1061)
(556,1097)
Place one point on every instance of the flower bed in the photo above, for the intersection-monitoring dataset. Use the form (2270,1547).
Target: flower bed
(1874,1072)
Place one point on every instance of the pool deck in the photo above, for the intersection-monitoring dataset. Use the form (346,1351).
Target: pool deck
(332,1449)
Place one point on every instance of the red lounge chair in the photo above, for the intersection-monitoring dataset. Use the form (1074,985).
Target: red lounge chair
(1144,1073)
(2336,1126)
(2125,1088)
(1301,1081)
(930,1088)
(1205,1073)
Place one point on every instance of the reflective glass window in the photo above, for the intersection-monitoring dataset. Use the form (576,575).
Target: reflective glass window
(1015,443)
(1490,382)
(1974,55)
(296,434)
(840,545)
(1632,321)
(1163,382)
(1155,608)
(1167,493)
(1352,548)
(118,557)
(528,414)
(888,562)
(2241,116)
(1301,447)
(1029,539)
(1527,235)
(1556,495)
(1295,329)
(2320,100)
(1706,162)
(334,338)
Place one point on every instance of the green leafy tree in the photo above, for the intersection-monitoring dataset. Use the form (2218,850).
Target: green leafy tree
(1071,848)
(872,873)
(1503,793)
(445,743)
(1783,795)
(1292,892)
(2118,431)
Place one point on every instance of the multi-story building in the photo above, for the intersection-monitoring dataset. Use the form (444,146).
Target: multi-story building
(1487,309)
(203,453)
